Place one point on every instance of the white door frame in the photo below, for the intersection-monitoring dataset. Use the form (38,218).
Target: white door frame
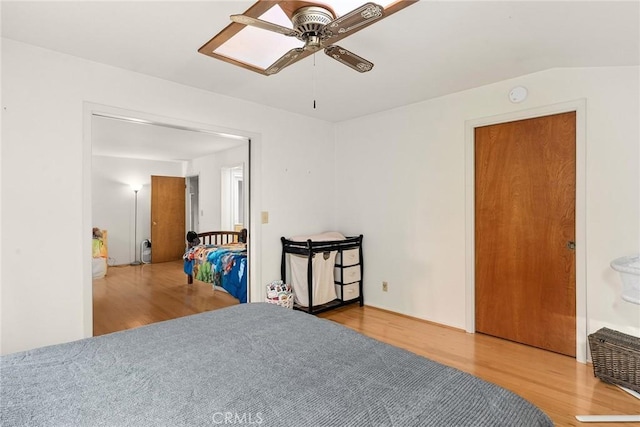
(580,107)
(230,176)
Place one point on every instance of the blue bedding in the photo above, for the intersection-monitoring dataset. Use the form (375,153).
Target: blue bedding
(223,266)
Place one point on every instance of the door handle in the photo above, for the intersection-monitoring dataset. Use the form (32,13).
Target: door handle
(571,245)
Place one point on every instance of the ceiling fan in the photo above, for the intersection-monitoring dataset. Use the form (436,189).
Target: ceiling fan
(313,23)
(316,26)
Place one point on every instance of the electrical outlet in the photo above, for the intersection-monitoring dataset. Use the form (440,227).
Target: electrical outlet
(264,217)
(385,286)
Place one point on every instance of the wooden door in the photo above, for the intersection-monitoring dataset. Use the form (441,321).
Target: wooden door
(167,218)
(524,229)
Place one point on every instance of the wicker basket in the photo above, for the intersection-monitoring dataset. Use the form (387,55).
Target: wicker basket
(280,294)
(616,358)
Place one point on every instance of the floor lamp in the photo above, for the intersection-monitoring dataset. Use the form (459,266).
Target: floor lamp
(135,188)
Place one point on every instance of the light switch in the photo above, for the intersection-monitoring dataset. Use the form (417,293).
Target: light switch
(265,217)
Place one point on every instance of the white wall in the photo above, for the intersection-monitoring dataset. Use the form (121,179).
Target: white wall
(208,170)
(1,185)
(400,180)
(113,203)
(43,128)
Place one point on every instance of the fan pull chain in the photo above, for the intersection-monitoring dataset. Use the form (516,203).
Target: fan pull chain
(314,81)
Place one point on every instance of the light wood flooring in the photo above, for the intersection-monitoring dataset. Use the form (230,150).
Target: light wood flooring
(136,295)
(131,296)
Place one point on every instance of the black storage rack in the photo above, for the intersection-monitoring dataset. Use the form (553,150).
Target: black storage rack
(309,248)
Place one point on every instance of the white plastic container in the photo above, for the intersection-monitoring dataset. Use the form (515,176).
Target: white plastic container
(145,251)
(629,269)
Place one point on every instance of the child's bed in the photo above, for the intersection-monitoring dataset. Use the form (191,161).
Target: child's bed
(220,258)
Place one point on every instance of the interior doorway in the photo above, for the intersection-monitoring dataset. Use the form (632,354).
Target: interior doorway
(250,142)
(232,200)
(525,234)
(193,200)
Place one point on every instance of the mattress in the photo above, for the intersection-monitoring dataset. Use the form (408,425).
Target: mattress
(249,364)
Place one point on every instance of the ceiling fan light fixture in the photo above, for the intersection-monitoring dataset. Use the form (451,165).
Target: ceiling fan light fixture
(255,47)
(313,43)
(246,44)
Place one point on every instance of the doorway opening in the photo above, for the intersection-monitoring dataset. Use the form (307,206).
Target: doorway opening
(193,207)
(232,200)
(196,205)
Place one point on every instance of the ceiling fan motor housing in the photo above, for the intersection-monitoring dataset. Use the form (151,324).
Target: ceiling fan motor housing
(309,22)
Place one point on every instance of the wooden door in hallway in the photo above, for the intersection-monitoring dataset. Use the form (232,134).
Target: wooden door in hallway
(525,231)
(167,218)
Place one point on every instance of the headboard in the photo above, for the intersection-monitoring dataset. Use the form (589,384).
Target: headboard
(223,237)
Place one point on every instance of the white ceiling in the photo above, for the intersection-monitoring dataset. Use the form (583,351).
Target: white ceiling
(429,49)
(115,137)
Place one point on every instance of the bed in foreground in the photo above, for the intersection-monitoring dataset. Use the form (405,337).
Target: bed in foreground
(245,365)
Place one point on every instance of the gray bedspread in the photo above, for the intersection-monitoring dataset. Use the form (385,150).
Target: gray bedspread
(251,364)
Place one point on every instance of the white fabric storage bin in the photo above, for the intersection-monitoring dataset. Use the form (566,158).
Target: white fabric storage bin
(349,257)
(322,271)
(322,278)
(348,292)
(348,274)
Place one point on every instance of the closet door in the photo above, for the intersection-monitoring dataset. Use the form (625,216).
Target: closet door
(525,231)
(168,213)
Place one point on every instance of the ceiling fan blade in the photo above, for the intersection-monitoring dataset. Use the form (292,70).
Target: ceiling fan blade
(349,59)
(285,60)
(265,25)
(353,20)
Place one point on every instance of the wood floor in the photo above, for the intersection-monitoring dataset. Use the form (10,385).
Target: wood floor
(556,383)
(132,296)
(136,295)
